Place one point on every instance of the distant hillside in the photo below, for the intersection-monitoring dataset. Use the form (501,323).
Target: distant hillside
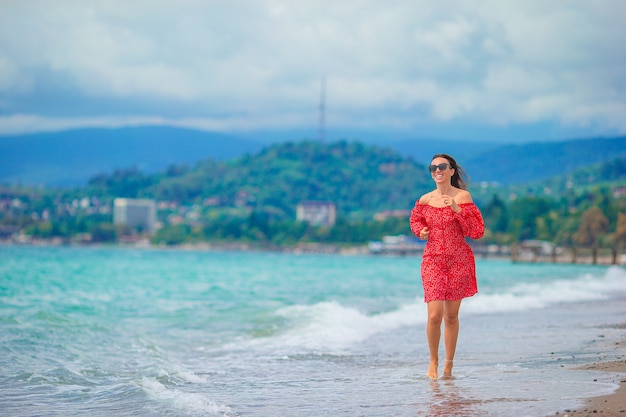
(520,164)
(604,173)
(72,157)
(360,179)
(423,150)
(357,177)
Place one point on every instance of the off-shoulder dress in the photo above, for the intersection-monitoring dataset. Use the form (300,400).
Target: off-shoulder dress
(448,265)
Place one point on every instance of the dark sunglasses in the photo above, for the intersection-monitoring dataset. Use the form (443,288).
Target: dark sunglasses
(442,167)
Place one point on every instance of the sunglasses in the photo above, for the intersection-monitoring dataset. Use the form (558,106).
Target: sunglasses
(442,167)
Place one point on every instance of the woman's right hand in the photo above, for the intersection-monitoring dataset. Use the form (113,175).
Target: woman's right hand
(424,233)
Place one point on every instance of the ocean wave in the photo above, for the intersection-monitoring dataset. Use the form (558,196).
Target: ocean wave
(541,294)
(332,327)
(330,324)
(189,402)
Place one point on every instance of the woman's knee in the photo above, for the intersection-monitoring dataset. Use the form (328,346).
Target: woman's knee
(451,318)
(435,317)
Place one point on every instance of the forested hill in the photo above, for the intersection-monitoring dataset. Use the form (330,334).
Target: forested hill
(604,173)
(357,177)
(70,158)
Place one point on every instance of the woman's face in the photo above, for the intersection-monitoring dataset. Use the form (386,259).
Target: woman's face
(440,170)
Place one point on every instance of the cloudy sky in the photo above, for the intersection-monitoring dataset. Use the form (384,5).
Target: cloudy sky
(455,69)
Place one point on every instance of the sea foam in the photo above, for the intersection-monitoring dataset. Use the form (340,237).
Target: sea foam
(188,402)
(541,294)
(331,326)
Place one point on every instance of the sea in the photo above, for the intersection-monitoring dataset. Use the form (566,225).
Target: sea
(111,331)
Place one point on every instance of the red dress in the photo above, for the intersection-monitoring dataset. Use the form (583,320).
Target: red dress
(448,266)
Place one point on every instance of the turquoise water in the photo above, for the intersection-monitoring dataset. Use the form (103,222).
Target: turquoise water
(105,331)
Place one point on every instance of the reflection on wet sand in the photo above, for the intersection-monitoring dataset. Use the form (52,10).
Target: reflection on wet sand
(448,399)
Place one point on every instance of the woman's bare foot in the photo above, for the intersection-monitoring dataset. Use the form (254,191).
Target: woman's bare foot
(432,369)
(447,369)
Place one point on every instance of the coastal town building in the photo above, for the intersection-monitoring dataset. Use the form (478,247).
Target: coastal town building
(319,213)
(135,213)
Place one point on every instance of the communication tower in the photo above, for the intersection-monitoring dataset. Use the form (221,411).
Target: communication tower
(322,126)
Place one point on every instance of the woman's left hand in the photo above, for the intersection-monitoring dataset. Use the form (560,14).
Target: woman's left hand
(450,202)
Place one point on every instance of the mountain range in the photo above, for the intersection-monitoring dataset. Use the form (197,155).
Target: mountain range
(71,158)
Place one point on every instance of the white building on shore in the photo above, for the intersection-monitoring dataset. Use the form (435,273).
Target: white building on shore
(321,213)
(135,213)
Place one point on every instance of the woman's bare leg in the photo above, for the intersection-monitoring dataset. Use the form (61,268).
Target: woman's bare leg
(451,333)
(433,333)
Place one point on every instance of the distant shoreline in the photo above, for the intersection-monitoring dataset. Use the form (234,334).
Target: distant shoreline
(582,257)
(207,246)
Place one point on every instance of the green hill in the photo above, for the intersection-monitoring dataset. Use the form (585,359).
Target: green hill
(611,173)
(360,179)
(70,158)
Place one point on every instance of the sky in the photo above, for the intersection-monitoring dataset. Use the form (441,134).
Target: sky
(507,71)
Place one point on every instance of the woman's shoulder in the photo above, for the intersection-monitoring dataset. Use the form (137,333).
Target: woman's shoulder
(425,199)
(463,197)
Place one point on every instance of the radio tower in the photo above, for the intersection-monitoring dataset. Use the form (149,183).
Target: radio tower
(322,127)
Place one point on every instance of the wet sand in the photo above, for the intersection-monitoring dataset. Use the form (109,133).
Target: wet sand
(613,405)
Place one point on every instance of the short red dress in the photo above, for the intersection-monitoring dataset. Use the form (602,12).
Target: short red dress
(448,266)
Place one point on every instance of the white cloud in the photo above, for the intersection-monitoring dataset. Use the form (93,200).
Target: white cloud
(251,64)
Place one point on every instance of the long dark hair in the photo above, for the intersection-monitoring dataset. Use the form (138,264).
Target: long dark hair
(460,179)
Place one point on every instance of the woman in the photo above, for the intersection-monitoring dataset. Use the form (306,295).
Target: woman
(444,217)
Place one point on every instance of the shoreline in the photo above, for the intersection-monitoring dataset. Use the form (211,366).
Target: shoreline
(611,405)
(310,248)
